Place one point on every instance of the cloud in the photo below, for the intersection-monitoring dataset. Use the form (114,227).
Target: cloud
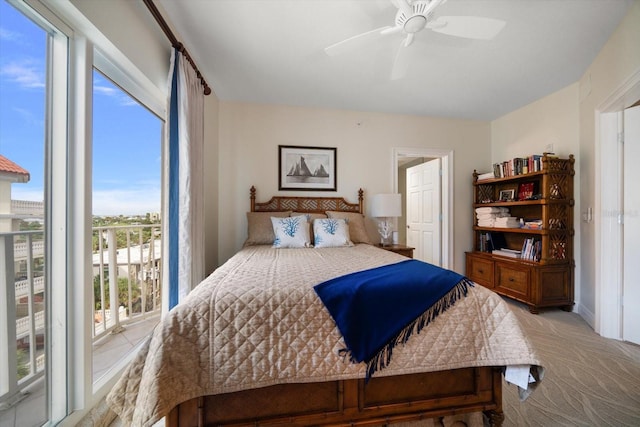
(25,73)
(122,97)
(126,202)
(11,36)
(29,117)
(32,194)
(105,90)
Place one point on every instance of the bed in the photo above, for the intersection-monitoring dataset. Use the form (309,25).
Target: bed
(254,345)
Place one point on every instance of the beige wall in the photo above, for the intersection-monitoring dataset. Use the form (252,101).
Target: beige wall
(248,155)
(566,119)
(211,182)
(552,120)
(614,65)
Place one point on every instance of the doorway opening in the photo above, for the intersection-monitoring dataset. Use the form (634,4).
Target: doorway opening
(403,156)
(609,206)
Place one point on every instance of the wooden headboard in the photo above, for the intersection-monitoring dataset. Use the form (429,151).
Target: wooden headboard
(306,204)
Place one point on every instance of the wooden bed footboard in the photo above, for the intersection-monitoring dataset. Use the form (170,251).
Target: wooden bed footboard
(383,400)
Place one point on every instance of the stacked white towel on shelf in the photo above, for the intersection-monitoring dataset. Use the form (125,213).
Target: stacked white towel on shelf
(488,215)
(507,222)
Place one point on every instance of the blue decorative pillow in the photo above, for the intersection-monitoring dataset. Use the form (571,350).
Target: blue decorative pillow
(331,232)
(291,232)
(310,218)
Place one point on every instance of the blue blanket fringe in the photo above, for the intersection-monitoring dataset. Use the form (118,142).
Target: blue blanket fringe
(382,359)
(377,309)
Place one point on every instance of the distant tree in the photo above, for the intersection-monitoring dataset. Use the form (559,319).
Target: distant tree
(123,292)
(23,361)
(30,225)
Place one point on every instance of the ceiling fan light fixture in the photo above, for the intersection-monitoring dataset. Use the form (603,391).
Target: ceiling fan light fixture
(414,16)
(415,23)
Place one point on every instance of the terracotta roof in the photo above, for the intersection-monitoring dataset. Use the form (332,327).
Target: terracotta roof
(8,167)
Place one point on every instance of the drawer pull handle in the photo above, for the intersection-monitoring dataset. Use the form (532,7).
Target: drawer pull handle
(511,279)
(480,271)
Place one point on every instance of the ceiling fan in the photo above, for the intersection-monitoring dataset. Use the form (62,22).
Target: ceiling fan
(414,16)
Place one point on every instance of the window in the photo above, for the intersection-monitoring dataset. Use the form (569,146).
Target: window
(72,133)
(33,113)
(126,232)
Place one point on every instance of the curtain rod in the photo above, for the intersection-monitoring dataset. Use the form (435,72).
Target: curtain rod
(174,41)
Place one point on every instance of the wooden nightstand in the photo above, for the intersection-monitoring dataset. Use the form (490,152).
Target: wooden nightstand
(399,249)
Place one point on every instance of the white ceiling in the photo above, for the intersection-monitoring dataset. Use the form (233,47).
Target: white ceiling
(272,51)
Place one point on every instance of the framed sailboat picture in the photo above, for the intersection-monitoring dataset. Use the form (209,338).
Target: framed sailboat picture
(307,168)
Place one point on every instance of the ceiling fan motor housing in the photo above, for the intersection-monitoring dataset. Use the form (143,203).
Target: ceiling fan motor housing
(421,11)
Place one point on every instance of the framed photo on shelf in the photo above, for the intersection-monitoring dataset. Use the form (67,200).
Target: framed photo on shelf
(507,195)
(526,190)
(307,168)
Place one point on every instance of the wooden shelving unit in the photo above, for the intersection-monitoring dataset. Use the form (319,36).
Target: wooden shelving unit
(547,280)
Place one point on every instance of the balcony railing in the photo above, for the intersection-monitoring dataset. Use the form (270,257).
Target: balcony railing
(126,274)
(28,208)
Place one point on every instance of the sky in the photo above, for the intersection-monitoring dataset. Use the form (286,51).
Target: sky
(126,136)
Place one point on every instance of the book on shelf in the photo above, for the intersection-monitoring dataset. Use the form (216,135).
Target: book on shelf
(485,176)
(518,166)
(513,251)
(531,249)
(507,252)
(526,190)
(483,243)
(495,241)
(533,224)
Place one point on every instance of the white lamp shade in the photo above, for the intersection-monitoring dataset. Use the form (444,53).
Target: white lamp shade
(386,205)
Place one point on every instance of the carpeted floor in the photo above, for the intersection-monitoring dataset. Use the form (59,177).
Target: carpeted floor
(589,380)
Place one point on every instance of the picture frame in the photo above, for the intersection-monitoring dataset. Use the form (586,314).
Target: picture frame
(303,168)
(507,195)
(526,190)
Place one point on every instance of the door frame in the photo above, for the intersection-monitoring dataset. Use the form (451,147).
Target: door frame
(446,163)
(608,203)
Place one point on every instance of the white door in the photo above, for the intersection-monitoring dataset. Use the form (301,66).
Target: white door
(424,210)
(631,247)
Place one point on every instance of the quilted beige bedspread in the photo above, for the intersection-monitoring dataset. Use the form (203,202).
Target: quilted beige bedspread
(256,321)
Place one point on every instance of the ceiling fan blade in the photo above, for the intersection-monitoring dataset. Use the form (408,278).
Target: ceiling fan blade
(354,42)
(392,30)
(404,6)
(409,39)
(471,27)
(401,62)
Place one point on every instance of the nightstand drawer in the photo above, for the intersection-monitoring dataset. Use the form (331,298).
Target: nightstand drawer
(480,271)
(513,279)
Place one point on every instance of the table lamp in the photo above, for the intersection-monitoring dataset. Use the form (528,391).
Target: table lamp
(386,206)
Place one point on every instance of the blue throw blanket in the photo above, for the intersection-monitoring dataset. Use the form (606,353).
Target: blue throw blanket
(379,308)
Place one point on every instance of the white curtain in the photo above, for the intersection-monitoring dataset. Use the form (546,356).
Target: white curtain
(184,207)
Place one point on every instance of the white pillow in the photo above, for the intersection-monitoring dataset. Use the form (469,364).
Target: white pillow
(291,232)
(331,232)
